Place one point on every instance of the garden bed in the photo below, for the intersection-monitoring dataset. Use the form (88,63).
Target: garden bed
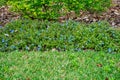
(112,15)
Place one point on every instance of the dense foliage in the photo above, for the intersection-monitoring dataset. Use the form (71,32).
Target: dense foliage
(71,36)
(3,2)
(51,9)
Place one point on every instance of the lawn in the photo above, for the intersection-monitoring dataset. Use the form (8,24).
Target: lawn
(53,65)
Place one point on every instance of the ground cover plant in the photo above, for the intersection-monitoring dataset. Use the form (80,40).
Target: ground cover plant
(84,65)
(69,36)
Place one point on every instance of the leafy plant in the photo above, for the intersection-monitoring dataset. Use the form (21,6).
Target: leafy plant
(51,9)
(71,36)
(3,2)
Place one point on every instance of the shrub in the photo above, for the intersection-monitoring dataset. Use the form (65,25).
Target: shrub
(71,36)
(90,5)
(3,2)
(51,9)
(41,9)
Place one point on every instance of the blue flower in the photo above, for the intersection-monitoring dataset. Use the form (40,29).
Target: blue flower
(109,50)
(77,49)
(3,40)
(13,47)
(11,31)
(1,26)
(38,48)
(99,23)
(27,48)
(21,29)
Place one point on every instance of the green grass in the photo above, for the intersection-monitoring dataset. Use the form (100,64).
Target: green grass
(84,65)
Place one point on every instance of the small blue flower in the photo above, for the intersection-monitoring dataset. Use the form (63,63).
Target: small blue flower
(109,50)
(3,40)
(11,31)
(27,48)
(99,23)
(67,23)
(1,26)
(38,48)
(13,47)
(77,49)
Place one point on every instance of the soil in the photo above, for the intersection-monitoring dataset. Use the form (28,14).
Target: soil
(112,15)
(7,16)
